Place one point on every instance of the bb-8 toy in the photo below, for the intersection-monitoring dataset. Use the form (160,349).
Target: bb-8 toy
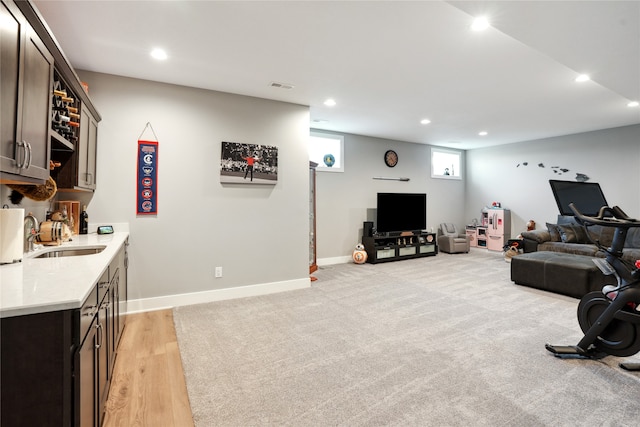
(359,254)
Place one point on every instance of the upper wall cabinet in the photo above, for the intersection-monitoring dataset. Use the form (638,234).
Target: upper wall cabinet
(74,142)
(49,125)
(88,151)
(27,72)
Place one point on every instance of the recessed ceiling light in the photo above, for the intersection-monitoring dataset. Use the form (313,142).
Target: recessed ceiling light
(159,54)
(483,133)
(320,121)
(583,78)
(425,121)
(330,102)
(633,104)
(480,24)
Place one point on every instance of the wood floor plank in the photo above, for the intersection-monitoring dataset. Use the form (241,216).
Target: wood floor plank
(148,386)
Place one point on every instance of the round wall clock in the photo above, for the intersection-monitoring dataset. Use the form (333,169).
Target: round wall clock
(391,158)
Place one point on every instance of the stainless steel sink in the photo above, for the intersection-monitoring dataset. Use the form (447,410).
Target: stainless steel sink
(63,252)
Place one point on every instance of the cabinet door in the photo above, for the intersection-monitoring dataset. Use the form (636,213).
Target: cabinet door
(87,150)
(11,38)
(36,106)
(112,319)
(27,100)
(87,358)
(102,376)
(123,265)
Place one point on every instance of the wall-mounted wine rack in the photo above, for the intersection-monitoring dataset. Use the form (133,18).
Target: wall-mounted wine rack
(65,114)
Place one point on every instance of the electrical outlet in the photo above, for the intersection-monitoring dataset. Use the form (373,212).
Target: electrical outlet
(218,271)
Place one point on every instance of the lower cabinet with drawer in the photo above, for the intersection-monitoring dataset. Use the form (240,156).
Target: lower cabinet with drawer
(90,365)
(56,367)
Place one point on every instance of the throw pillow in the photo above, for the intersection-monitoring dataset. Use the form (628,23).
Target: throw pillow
(602,234)
(581,234)
(573,233)
(554,232)
(567,233)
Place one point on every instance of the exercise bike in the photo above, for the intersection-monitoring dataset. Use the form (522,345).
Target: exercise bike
(610,319)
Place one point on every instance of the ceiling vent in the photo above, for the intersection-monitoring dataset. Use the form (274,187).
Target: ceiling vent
(281,85)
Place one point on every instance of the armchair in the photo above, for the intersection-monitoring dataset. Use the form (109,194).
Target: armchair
(451,241)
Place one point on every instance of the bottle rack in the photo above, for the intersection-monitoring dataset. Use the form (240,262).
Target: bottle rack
(65,114)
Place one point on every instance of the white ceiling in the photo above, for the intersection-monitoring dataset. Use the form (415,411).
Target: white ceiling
(388,64)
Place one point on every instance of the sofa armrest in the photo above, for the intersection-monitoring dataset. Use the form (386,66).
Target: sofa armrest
(539,236)
(531,239)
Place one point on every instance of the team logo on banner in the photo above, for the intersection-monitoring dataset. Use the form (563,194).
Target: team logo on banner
(147,188)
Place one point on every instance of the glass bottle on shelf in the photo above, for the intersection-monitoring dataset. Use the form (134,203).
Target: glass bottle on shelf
(84,220)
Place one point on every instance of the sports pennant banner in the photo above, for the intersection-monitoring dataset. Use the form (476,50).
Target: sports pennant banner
(147,190)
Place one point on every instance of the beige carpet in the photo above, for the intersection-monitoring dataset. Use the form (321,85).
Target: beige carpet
(439,341)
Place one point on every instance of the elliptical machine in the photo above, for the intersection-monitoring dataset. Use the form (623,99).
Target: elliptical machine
(610,319)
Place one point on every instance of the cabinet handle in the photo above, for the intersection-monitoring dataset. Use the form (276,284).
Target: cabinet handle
(29,150)
(91,311)
(100,336)
(19,144)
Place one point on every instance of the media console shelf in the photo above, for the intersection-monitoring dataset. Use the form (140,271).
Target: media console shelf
(399,245)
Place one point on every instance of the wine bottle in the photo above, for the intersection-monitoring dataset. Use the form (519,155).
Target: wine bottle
(84,220)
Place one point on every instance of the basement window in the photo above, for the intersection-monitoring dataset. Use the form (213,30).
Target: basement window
(327,150)
(446,164)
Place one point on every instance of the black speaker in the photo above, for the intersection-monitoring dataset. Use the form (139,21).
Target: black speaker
(367,228)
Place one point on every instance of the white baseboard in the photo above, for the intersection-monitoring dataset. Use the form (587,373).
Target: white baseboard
(171,301)
(334,260)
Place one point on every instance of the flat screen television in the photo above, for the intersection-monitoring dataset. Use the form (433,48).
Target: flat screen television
(586,196)
(401,212)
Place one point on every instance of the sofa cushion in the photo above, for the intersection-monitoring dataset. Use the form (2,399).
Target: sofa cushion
(569,248)
(631,254)
(573,233)
(604,235)
(633,238)
(554,232)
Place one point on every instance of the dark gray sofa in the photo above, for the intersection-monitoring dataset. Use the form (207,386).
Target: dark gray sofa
(569,237)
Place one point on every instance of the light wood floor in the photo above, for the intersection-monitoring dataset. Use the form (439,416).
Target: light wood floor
(148,387)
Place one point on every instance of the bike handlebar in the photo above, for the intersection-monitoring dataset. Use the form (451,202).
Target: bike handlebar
(620,218)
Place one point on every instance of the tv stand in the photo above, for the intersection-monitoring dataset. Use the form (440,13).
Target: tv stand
(394,246)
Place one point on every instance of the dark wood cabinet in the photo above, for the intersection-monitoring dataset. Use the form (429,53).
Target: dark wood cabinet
(77,159)
(86,361)
(56,367)
(27,73)
(87,150)
(36,363)
(397,246)
(36,81)
(102,364)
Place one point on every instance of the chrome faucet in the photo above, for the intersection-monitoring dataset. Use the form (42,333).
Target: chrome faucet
(31,230)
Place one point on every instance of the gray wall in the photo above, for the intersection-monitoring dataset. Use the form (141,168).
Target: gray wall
(609,157)
(344,198)
(257,233)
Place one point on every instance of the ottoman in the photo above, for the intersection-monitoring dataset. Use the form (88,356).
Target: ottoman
(566,274)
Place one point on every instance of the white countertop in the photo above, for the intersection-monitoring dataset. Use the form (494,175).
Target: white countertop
(38,285)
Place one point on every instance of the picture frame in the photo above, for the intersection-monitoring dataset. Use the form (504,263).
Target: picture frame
(242,163)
